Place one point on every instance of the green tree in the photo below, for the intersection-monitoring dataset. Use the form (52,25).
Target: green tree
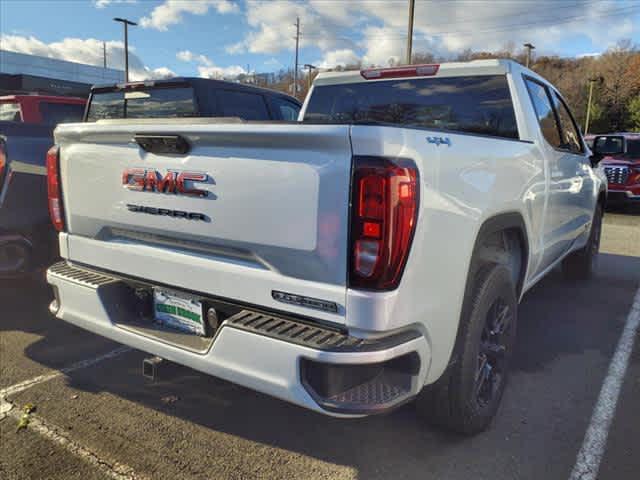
(634,113)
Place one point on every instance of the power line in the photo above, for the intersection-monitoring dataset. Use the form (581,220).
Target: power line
(540,22)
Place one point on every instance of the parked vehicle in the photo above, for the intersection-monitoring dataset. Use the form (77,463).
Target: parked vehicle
(27,240)
(189,97)
(620,154)
(373,254)
(41,109)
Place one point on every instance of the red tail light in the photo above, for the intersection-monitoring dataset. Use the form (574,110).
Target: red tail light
(426,70)
(54,188)
(3,161)
(384,209)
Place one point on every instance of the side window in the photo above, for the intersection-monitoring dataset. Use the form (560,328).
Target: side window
(288,111)
(248,106)
(568,129)
(544,111)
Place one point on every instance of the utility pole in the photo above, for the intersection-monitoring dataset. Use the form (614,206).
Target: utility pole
(412,4)
(104,54)
(529,47)
(592,80)
(126,24)
(309,67)
(295,70)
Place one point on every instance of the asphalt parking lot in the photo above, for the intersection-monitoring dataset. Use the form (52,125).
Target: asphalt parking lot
(104,420)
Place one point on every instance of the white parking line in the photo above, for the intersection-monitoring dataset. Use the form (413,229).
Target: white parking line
(112,469)
(22,386)
(595,440)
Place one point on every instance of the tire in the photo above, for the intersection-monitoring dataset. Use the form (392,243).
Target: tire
(581,264)
(466,398)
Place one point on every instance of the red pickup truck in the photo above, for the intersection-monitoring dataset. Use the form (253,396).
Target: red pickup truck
(621,163)
(41,109)
(27,240)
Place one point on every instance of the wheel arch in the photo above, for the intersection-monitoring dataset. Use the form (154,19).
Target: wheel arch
(504,222)
(509,221)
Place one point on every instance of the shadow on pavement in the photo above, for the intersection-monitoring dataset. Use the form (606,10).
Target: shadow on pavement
(557,320)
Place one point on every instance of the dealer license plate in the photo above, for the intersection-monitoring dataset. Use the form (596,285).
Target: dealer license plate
(178,311)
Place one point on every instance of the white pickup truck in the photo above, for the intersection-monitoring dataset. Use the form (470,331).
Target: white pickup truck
(370,254)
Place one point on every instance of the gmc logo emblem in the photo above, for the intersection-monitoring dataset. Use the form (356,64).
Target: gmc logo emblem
(142,180)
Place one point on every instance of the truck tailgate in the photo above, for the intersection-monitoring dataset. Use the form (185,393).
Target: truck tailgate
(274,217)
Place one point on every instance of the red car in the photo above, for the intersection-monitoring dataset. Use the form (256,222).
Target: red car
(621,163)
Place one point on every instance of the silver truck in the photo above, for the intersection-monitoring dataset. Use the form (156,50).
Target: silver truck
(371,254)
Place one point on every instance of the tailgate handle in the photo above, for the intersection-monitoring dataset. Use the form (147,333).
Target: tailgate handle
(163,143)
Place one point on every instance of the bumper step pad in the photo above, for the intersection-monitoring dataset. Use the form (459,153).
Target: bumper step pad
(319,338)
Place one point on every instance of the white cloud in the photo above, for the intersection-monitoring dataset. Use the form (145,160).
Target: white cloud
(106,3)
(273,27)
(185,56)
(589,54)
(88,51)
(171,11)
(336,58)
(376,30)
(159,73)
(221,72)
(273,63)
(235,48)
(206,67)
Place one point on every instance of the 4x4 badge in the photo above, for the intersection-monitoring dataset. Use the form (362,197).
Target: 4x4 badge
(439,140)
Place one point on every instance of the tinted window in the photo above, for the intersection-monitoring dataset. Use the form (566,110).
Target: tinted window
(10,112)
(568,129)
(633,148)
(544,111)
(143,103)
(607,145)
(55,113)
(248,106)
(468,104)
(288,110)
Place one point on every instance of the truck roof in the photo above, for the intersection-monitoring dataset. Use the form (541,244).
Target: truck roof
(43,98)
(450,69)
(198,83)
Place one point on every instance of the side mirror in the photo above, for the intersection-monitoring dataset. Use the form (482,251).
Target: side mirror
(595,159)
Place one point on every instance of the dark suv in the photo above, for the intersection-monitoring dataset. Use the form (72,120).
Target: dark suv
(189,97)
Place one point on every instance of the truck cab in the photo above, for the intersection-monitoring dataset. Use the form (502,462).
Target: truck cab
(189,97)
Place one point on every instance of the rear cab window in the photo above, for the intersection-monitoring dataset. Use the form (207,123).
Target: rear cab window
(245,105)
(154,102)
(10,112)
(472,104)
(284,109)
(54,113)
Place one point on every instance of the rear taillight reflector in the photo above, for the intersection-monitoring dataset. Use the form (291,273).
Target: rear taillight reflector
(54,190)
(384,209)
(426,70)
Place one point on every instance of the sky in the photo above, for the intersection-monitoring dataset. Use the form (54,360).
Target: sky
(224,38)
